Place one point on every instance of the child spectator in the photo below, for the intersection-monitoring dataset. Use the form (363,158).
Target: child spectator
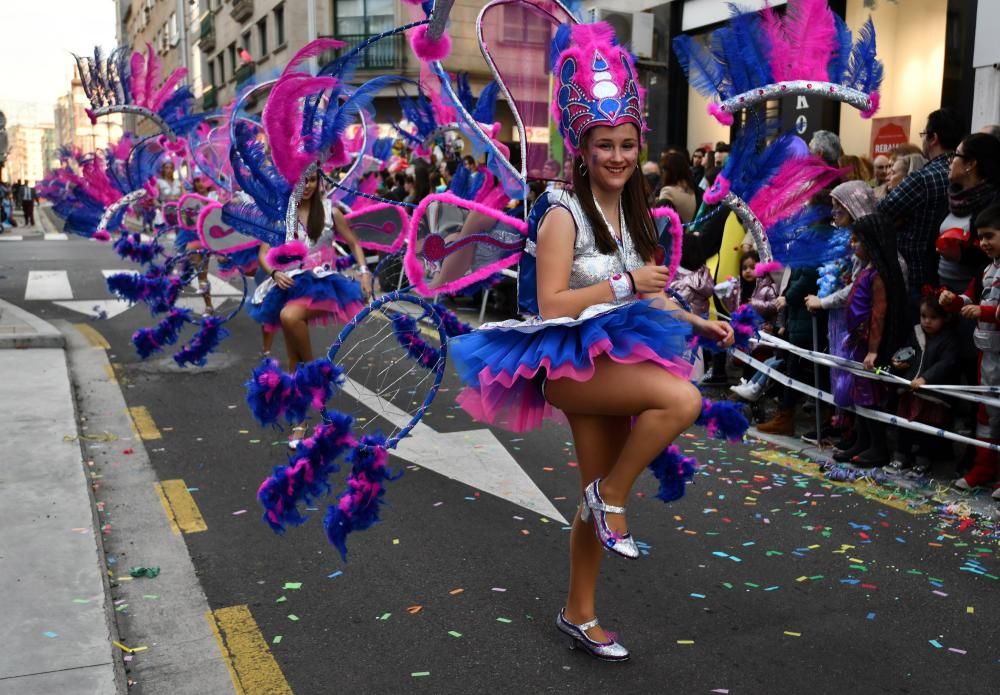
(987,339)
(873,332)
(929,357)
(761,294)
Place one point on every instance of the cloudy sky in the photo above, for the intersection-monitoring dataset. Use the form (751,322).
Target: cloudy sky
(37,40)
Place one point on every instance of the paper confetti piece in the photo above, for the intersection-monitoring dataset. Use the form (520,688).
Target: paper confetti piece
(50,634)
(385,616)
(503,620)
(334,575)
(294,618)
(294,586)
(454,634)
(685,641)
(239,511)
(793,634)
(970,610)
(413,610)
(420,674)
(935,643)
(276,640)
(281,599)
(455,592)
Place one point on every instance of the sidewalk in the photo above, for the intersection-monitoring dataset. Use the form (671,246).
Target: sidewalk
(56,632)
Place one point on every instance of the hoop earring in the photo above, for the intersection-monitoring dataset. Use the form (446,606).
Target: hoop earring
(582,168)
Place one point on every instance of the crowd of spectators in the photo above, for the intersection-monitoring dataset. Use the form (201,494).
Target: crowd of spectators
(917,299)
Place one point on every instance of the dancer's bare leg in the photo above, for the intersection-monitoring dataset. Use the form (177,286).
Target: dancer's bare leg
(599,440)
(295,327)
(663,405)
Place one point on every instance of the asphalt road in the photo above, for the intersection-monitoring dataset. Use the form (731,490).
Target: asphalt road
(763,579)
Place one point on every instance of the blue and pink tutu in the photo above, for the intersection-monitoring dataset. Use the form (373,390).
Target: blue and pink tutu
(504,365)
(185,237)
(245,261)
(337,296)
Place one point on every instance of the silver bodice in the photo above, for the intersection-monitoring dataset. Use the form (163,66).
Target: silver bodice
(590,266)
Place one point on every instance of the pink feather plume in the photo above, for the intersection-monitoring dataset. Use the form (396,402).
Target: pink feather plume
(283,122)
(166,89)
(137,78)
(152,74)
(801,42)
(313,48)
(791,187)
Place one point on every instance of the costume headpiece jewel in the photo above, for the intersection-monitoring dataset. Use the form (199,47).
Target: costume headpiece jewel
(760,56)
(595,82)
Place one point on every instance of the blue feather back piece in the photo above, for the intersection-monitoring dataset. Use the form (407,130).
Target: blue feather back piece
(674,470)
(204,342)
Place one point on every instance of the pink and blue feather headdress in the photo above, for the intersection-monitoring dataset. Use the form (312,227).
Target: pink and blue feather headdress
(595,82)
(759,56)
(124,84)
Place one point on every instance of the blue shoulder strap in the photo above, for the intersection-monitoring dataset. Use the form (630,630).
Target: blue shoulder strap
(527,287)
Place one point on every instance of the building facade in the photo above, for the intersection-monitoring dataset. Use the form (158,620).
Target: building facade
(31,154)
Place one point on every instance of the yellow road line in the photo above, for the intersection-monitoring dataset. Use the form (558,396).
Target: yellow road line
(251,665)
(866,488)
(111,373)
(180,506)
(143,422)
(91,334)
(166,509)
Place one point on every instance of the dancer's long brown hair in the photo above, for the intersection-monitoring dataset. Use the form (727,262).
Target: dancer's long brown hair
(637,216)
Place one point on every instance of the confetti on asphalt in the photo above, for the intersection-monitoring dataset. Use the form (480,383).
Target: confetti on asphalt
(293,586)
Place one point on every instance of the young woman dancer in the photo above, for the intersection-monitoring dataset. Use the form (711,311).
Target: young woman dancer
(292,299)
(605,346)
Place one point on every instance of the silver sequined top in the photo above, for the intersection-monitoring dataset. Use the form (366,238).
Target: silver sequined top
(590,267)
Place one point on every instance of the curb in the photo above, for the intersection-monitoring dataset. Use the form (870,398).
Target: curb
(26,330)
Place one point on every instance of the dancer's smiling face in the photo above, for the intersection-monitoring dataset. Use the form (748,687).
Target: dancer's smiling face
(611,155)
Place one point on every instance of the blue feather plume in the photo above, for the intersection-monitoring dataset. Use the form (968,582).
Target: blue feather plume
(340,115)
(204,342)
(464,91)
(864,71)
(702,69)
(806,240)
(248,218)
(486,104)
(724,420)
(560,42)
(674,470)
(840,60)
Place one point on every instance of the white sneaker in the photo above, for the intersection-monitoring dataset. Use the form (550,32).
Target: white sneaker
(748,391)
(961,484)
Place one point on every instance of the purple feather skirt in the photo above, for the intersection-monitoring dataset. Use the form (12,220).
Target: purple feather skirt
(338,297)
(504,365)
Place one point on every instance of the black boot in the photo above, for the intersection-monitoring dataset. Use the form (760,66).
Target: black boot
(861,443)
(877,454)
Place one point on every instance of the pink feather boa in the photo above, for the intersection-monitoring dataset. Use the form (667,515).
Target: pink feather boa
(677,232)
(288,255)
(875,98)
(425,48)
(282,119)
(765,267)
(723,117)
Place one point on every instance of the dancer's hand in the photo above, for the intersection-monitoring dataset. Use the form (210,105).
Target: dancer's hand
(283,280)
(366,284)
(650,279)
(719,331)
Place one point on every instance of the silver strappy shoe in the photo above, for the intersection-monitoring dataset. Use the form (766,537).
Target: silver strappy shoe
(577,634)
(615,542)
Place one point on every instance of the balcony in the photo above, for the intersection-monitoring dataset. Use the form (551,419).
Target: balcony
(242,10)
(244,72)
(209,98)
(206,37)
(388,53)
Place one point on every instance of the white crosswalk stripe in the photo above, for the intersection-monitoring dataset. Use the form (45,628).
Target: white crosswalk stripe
(48,284)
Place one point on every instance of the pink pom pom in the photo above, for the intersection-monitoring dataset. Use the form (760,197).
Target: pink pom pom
(875,98)
(425,48)
(101,236)
(91,116)
(718,191)
(288,255)
(765,267)
(723,117)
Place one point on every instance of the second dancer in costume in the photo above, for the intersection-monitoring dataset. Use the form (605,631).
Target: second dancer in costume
(605,345)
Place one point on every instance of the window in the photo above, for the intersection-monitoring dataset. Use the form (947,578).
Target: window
(246,42)
(262,36)
(279,25)
(174,35)
(232,57)
(363,17)
(211,73)
(222,68)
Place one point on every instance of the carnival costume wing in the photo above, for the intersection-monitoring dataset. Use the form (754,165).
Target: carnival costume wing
(758,56)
